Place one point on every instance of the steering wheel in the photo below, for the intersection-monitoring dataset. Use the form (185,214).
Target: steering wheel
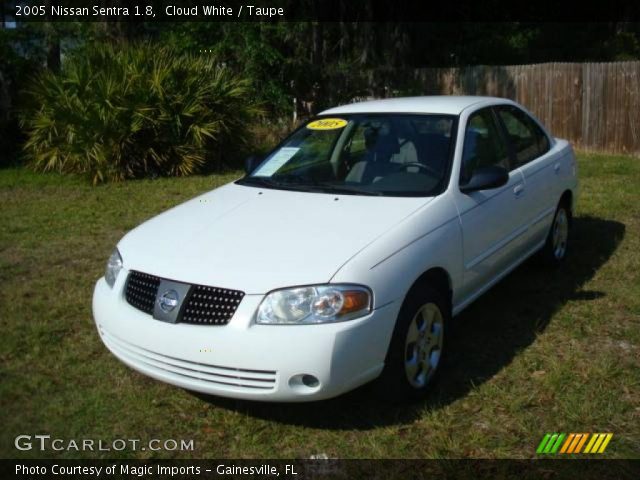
(420,166)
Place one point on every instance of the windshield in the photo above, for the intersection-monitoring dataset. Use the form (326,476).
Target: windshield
(363,154)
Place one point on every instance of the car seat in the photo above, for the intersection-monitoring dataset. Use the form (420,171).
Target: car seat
(377,160)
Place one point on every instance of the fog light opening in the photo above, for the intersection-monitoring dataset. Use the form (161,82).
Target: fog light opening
(304,383)
(310,381)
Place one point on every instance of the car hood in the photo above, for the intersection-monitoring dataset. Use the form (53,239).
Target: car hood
(257,240)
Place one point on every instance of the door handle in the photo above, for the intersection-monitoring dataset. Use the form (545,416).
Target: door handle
(518,190)
(556,167)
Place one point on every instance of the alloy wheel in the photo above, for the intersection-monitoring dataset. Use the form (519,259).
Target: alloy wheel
(423,345)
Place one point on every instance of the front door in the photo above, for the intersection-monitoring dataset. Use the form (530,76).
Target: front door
(492,224)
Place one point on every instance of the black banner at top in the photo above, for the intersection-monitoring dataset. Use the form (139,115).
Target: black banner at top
(320,10)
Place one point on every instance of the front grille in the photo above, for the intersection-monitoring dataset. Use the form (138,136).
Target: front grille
(141,291)
(204,305)
(211,305)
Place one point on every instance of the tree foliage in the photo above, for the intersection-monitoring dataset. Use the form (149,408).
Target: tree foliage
(293,67)
(118,112)
(324,63)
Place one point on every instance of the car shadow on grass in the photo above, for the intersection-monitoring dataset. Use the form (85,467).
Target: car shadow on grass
(482,341)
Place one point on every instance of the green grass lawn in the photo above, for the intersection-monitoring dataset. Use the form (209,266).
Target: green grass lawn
(544,351)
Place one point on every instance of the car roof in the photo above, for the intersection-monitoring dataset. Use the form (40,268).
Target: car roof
(443,104)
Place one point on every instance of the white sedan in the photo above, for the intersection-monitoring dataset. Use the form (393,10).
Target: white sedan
(341,256)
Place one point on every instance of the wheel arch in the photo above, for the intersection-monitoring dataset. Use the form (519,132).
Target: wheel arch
(435,277)
(567,198)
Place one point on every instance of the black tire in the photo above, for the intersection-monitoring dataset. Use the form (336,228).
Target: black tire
(394,384)
(555,249)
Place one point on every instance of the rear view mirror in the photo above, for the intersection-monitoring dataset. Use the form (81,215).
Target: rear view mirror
(485,178)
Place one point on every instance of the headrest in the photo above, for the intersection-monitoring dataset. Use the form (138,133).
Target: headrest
(381,144)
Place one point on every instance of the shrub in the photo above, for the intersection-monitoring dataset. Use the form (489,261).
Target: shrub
(118,112)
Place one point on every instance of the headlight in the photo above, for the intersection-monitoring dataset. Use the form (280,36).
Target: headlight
(114,265)
(315,304)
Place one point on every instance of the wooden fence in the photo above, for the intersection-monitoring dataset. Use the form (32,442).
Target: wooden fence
(594,105)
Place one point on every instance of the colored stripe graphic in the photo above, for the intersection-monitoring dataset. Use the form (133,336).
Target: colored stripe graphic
(568,442)
(572,443)
(544,441)
(556,445)
(590,444)
(584,439)
(598,443)
(550,443)
(596,446)
(606,442)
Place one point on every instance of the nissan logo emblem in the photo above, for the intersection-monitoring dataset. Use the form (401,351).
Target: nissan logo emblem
(168,300)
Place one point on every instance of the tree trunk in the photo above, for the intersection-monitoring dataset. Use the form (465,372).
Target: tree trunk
(53,52)
(5,100)
(53,43)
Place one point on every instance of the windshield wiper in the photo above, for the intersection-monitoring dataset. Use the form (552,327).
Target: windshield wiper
(271,183)
(321,187)
(259,182)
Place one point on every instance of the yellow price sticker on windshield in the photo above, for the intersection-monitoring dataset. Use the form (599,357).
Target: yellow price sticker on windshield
(327,124)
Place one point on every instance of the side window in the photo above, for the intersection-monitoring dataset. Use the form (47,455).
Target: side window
(527,138)
(483,145)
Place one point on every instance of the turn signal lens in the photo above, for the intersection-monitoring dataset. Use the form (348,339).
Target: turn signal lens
(354,300)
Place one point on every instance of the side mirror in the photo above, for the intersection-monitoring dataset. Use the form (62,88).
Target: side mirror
(485,178)
(251,163)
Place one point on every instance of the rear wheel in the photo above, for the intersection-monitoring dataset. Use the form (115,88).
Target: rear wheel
(417,345)
(556,247)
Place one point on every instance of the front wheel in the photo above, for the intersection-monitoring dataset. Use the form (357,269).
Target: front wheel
(417,345)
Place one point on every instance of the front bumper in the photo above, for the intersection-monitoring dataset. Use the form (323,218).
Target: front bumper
(243,359)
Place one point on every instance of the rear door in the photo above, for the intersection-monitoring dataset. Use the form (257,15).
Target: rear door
(539,164)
